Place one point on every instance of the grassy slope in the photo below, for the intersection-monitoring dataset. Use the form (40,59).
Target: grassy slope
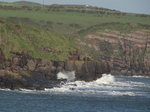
(70,20)
(73,21)
(34,40)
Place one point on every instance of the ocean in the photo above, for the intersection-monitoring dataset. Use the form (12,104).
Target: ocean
(107,94)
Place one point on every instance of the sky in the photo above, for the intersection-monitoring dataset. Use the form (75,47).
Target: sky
(132,6)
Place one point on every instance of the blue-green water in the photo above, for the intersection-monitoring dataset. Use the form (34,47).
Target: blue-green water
(109,94)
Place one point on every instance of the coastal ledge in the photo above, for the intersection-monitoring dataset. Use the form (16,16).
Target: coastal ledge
(23,71)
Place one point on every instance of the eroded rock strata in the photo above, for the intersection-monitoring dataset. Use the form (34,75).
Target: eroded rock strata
(23,71)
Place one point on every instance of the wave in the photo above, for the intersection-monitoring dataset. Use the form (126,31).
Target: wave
(118,93)
(107,85)
(102,85)
(139,76)
(5,89)
(69,76)
(104,80)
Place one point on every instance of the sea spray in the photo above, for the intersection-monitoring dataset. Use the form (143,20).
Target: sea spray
(69,76)
(127,93)
(107,85)
(106,79)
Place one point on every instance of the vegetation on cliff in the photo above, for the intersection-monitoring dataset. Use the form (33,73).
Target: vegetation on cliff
(36,41)
(31,31)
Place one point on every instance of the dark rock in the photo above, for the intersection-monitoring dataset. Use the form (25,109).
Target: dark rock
(43,65)
(59,66)
(27,72)
(21,61)
(2,59)
(70,65)
(75,55)
(40,88)
(9,80)
(91,70)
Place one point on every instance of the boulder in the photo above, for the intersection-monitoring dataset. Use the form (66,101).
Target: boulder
(31,64)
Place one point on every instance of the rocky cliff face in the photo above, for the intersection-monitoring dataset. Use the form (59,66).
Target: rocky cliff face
(23,71)
(2,58)
(126,53)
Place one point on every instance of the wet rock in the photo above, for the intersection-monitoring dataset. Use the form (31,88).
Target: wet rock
(91,70)
(11,80)
(38,74)
(59,65)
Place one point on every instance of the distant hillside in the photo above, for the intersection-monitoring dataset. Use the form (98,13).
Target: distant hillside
(20,4)
(26,3)
(68,19)
(53,31)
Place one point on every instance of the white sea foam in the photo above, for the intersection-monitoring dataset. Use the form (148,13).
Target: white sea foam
(86,87)
(26,90)
(70,76)
(118,93)
(105,79)
(106,85)
(139,76)
(5,89)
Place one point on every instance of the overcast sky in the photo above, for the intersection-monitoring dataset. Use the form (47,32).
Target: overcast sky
(133,6)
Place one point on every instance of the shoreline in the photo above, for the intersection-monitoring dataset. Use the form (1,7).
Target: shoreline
(62,82)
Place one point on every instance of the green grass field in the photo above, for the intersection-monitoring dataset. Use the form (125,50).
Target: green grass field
(64,19)
(83,19)
(47,32)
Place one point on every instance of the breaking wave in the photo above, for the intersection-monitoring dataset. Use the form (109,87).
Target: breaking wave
(104,86)
(107,85)
(69,76)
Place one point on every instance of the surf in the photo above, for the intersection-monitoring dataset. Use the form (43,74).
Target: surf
(107,85)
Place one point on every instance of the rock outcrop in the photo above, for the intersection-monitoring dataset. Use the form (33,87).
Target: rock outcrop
(91,70)
(12,80)
(2,59)
(27,72)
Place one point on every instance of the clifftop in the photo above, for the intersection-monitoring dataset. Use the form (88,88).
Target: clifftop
(53,32)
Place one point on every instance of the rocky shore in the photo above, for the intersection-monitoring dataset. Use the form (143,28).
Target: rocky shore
(23,71)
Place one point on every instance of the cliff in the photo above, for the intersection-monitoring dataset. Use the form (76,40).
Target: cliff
(37,42)
(24,71)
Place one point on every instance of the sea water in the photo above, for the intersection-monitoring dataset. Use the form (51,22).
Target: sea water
(107,94)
